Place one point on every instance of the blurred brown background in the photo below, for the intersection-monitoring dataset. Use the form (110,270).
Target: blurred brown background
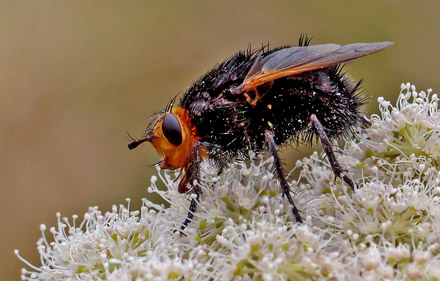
(76,75)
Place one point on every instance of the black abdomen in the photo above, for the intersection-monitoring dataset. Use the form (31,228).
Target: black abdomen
(287,107)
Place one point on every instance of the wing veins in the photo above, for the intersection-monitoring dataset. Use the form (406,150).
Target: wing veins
(296,60)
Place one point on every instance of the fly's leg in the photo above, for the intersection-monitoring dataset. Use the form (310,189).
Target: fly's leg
(193,180)
(191,211)
(280,172)
(336,167)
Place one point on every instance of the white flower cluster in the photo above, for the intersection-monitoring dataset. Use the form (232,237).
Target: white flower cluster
(387,229)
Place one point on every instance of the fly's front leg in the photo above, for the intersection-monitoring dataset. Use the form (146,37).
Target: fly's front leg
(193,179)
(280,172)
(336,167)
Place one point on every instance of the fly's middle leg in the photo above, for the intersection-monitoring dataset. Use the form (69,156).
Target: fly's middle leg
(326,144)
(280,172)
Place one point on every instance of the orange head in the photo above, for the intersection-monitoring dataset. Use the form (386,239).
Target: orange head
(173,136)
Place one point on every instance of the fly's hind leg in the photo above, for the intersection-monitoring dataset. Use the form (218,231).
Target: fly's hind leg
(193,181)
(280,172)
(336,167)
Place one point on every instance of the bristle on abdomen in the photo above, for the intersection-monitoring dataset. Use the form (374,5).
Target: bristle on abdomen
(327,93)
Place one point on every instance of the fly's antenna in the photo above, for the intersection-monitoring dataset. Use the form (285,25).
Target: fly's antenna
(135,143)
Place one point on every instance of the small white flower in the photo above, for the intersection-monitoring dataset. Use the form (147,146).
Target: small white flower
(387,229)
(371,259)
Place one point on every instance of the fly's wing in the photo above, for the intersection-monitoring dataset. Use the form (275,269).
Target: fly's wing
(291,61)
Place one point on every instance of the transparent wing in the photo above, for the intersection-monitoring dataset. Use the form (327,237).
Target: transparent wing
(291,61)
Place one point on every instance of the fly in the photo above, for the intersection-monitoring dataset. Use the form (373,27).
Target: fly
(257,100)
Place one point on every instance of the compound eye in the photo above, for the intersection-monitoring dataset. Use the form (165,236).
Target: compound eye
(171,129)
